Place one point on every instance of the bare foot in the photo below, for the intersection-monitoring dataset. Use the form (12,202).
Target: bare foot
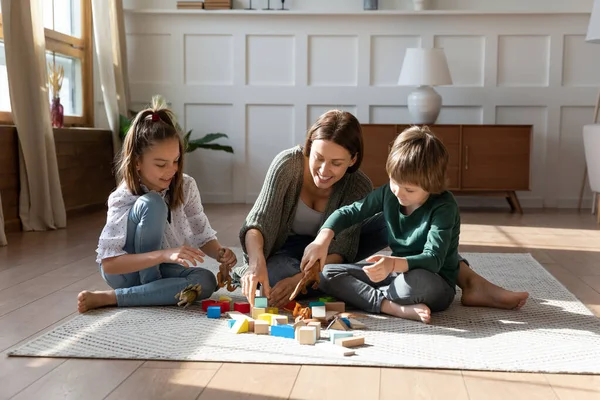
(482,293)
(416,312)
(89,300)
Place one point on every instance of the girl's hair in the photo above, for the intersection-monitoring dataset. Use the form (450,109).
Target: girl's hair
(418,157)
(343,129)
(150,126)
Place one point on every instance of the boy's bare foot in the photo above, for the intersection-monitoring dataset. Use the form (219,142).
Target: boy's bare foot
(89,300)
(416,312)
(482,293)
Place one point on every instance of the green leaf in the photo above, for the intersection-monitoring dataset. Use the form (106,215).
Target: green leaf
(193,147)
(124,124)
(208,138)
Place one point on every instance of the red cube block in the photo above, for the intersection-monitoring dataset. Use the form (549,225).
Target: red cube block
(207,303)
(242,307)
(225,306)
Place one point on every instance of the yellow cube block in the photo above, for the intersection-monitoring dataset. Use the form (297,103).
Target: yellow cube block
(266,317)
(272,310)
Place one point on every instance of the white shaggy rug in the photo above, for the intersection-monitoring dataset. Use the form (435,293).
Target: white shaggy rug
(554,333)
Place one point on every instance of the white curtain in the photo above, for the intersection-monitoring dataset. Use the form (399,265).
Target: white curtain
(41,204)
(109,40)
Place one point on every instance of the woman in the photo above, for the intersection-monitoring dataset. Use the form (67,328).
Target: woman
(303,186)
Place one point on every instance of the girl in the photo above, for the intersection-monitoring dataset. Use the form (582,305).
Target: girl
(156,227)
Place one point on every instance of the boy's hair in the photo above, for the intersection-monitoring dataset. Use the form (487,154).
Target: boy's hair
(419,158)
(150,126)
(339,127)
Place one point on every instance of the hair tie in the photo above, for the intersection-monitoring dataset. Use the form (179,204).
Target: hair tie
(155,117)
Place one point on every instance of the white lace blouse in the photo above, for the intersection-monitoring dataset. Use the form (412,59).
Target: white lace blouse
(189,224)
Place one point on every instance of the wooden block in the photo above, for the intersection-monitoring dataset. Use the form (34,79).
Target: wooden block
(257,311)
(286,331)
(318,312)
(236,315)
(317,326)
(333,336)
(272,310)
(266,317)
(316,304)
(225,306)
(228,300)
(207,303)
(261,327)
(327,299)
(329,315)
(213,312)
(279,320)
(299,324)
(306,335)
(240,326)
(260,302)
(339,325)
(353,341)
(337,306)
(242,307)
(356,324)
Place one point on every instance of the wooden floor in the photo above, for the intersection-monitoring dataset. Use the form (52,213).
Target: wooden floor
(41,274)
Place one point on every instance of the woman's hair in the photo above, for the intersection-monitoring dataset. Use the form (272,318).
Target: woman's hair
(418,157)
(339,127)
(150,126)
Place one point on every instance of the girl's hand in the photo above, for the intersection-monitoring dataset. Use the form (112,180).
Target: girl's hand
(182,254)
(314,256)
(257,273)
(228,258)
(382,268)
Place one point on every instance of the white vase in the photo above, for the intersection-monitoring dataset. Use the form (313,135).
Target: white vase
(420,5)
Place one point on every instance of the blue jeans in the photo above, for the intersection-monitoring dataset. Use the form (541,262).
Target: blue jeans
(286,261)
(156,285)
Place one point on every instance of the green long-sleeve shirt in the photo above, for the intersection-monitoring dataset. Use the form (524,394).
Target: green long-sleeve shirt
(428,238)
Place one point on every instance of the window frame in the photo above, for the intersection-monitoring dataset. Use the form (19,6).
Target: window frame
(80,48)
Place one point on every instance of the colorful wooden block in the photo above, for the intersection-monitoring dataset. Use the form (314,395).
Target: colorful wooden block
(260,302)
(316,304)
(258,311)
(333,336)
(240,326)
(356,324)
(267,317)
(339,325)
(318,312)
(238,315)
(213,312)
(327,299)
(242,307)
(306,335)
(338,306)
(286,331)
(228,300)
(230,322)
(346,321)
(317,326)
(279,320)
(261,327)
(225,306)
(207,303)
(272,310)
(350,341)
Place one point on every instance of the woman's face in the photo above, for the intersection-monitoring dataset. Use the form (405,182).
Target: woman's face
(328,162)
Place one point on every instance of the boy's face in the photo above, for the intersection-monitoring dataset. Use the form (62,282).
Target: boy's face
(407,194)
(159,164)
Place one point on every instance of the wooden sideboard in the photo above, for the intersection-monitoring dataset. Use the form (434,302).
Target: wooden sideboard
(485,160)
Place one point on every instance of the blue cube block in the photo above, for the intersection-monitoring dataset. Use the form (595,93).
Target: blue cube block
(231,322)
(286,331)
(213,312)
(316,304)
(260,302)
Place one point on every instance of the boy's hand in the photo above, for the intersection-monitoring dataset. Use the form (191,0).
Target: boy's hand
(382,268)
(314,256)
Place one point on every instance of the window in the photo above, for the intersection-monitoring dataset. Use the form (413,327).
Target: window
(68,33)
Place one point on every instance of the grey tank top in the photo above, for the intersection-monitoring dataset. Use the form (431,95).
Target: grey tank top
(306,220)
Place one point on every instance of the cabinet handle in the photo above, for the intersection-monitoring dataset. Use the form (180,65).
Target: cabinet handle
(466,157)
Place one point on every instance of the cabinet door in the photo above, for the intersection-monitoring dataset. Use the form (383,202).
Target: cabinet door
(450,136)
(376,142)
(496,157)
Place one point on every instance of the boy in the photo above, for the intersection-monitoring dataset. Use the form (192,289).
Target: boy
(423,224)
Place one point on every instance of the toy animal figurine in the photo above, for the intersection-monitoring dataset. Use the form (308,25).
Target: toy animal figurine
(301,313)
(306,280)
(188,295)
(223,277)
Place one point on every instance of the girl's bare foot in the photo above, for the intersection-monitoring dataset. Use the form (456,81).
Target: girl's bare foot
(89,300)
(482,293)
(416,312)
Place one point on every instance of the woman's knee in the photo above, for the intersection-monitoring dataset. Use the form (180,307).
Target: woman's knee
(206,280)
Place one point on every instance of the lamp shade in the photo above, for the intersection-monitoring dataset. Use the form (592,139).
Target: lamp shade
(593,32)
(424,67)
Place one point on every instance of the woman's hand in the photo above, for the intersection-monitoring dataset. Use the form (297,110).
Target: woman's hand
(281,292)
(182,254)
(382,268)
(257,273)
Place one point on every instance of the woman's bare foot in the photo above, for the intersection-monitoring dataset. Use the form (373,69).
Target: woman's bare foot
(416,312)
(89,300)
(482,293)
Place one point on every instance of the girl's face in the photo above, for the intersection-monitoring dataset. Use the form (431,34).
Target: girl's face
(328,162)
(159,164)
(408,195)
